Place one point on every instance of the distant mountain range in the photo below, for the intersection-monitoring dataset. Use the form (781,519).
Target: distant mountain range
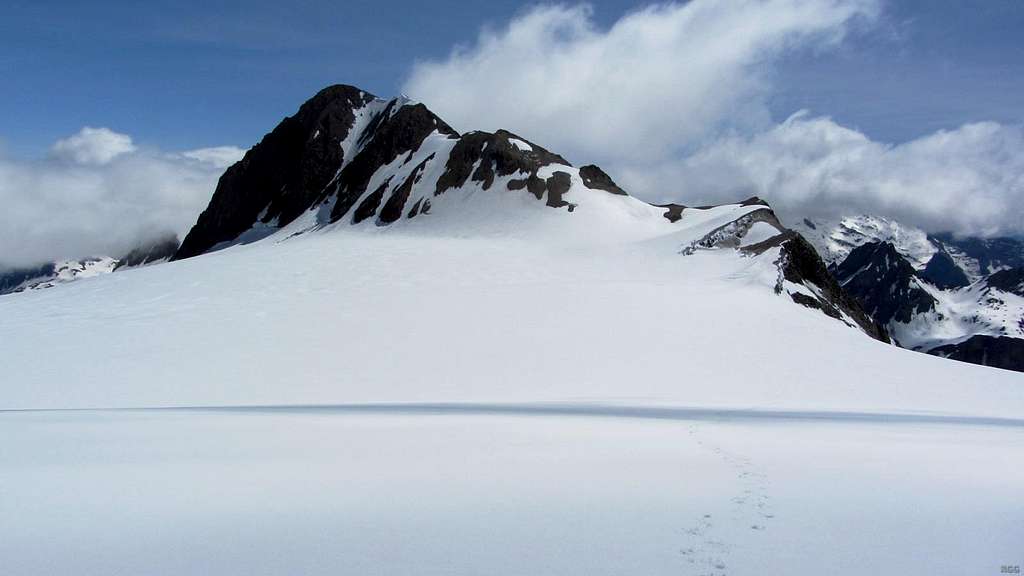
(68,270)
(960,298)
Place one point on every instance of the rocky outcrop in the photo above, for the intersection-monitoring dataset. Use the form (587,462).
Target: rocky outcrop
(332,148)
(673,212)
(280,177)
(484,156)
(730,235)
(397,131)
(594,177)
(800,264)
(810,283)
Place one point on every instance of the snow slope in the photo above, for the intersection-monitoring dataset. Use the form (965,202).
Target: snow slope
(497,386)
(549,394)
(432,492)
(502,299)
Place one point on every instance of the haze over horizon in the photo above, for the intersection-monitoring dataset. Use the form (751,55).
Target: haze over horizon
(121,120)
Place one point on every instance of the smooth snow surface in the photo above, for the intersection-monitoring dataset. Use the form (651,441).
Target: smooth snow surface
(369,314)
(447,491)
(501,388)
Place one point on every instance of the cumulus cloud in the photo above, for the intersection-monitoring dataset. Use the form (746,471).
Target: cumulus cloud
(93,146)
(672,101)
(969,180)
(651,85)
(99,194)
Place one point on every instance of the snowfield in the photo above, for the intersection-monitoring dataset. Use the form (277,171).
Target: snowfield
(350,491)
(483,391)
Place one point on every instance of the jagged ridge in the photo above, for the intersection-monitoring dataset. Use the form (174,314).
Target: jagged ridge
(347,155)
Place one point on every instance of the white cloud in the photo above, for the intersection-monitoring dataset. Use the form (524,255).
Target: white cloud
(657,81)
(100,194)
(969,180)
(93,146)
(218,156)
(672,101)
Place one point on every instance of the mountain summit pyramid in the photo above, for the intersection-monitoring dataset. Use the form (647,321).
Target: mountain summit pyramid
(349,158)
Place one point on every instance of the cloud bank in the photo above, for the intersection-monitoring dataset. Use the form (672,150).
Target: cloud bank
(99,194)
(969,180)
(672,101)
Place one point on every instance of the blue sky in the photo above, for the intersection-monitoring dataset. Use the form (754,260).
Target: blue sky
(185,74)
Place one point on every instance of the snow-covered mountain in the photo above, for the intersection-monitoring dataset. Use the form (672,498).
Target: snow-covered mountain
(54,273)
(374,197)
(952,297)
(834,239)
(974,257)
(60,272)
(389,348)
(347,158)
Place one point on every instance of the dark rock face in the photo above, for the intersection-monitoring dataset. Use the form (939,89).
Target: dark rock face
(301,164)
(494,155)
(558,184)
(883,282)
(995,351)
(1011,281)
(594,177)
(160,249)
(368,207)
(283,173)
(392,210)
(942,272)
(801,264)
(396,133)
(673,212)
